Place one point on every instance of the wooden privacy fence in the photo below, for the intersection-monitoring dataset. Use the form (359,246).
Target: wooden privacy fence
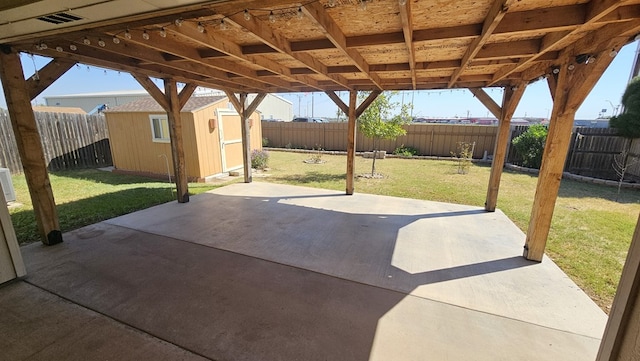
(69,141)
(591,152)
(429,139)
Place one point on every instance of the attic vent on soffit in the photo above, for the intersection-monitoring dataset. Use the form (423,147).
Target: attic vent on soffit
(59,18)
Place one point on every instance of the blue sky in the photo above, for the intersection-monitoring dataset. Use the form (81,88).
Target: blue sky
(536,101)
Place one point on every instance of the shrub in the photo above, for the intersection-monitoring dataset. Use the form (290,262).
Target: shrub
(530,145)
(259,159)
(463,155)
(405,151)
(265,142)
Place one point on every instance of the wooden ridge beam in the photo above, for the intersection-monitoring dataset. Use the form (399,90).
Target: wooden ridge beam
(41,80)
(332,31)
(493,18)
(267,36)
(407,30)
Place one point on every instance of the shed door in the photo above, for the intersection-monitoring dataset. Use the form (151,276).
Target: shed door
(230,139)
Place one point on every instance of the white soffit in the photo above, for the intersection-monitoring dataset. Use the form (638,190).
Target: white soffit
(24,20)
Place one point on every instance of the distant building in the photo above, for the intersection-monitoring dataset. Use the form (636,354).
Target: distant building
(90,101)
(68,110)
(592,123)
(272,107)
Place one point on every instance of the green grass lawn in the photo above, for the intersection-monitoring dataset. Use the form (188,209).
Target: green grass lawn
(590,232)
(88,196)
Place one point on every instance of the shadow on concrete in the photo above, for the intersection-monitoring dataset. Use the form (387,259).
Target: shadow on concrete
(244,277)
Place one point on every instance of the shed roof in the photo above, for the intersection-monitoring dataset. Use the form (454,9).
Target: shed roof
(148,104)
(326,45)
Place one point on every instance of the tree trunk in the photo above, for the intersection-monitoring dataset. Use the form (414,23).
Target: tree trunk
(375,155)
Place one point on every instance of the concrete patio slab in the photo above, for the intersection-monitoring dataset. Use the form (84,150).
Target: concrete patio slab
(37,325)
(274,272)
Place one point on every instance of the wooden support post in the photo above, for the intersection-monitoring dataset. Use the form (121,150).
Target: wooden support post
(351,142)
(353,113)
(510,100)
(172,103)
(245,113)
(17,94)
(177,145)
(246,139)
(573,84)
(622,334)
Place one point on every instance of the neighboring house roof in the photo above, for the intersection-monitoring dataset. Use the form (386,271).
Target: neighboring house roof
(48,109)
(150,105)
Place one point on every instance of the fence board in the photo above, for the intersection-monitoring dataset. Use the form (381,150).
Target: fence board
(69,141)
(429,139)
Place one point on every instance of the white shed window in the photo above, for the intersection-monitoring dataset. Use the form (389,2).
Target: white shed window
(159,128)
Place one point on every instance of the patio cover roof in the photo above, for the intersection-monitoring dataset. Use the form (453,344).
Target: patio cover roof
(323,45)
(252,46)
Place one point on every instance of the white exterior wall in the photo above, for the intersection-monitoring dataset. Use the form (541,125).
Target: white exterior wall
(274,107)
(88,103)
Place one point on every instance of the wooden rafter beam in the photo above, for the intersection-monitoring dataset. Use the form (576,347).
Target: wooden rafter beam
(96,57)
(332,31)
(152,49)
(595,11)
(222,45)
(495,15)
(126,57)
(546,20)
(274,40)
(39,81)
(407,30)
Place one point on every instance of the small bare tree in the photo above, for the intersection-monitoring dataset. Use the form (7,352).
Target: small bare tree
(628,125)
(622,163)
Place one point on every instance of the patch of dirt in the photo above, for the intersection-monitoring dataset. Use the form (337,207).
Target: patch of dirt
(314,161)
(369,176)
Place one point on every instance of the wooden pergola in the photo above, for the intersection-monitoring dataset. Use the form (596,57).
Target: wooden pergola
(280,46)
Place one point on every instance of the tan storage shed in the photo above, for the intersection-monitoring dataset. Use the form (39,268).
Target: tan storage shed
(139,137)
